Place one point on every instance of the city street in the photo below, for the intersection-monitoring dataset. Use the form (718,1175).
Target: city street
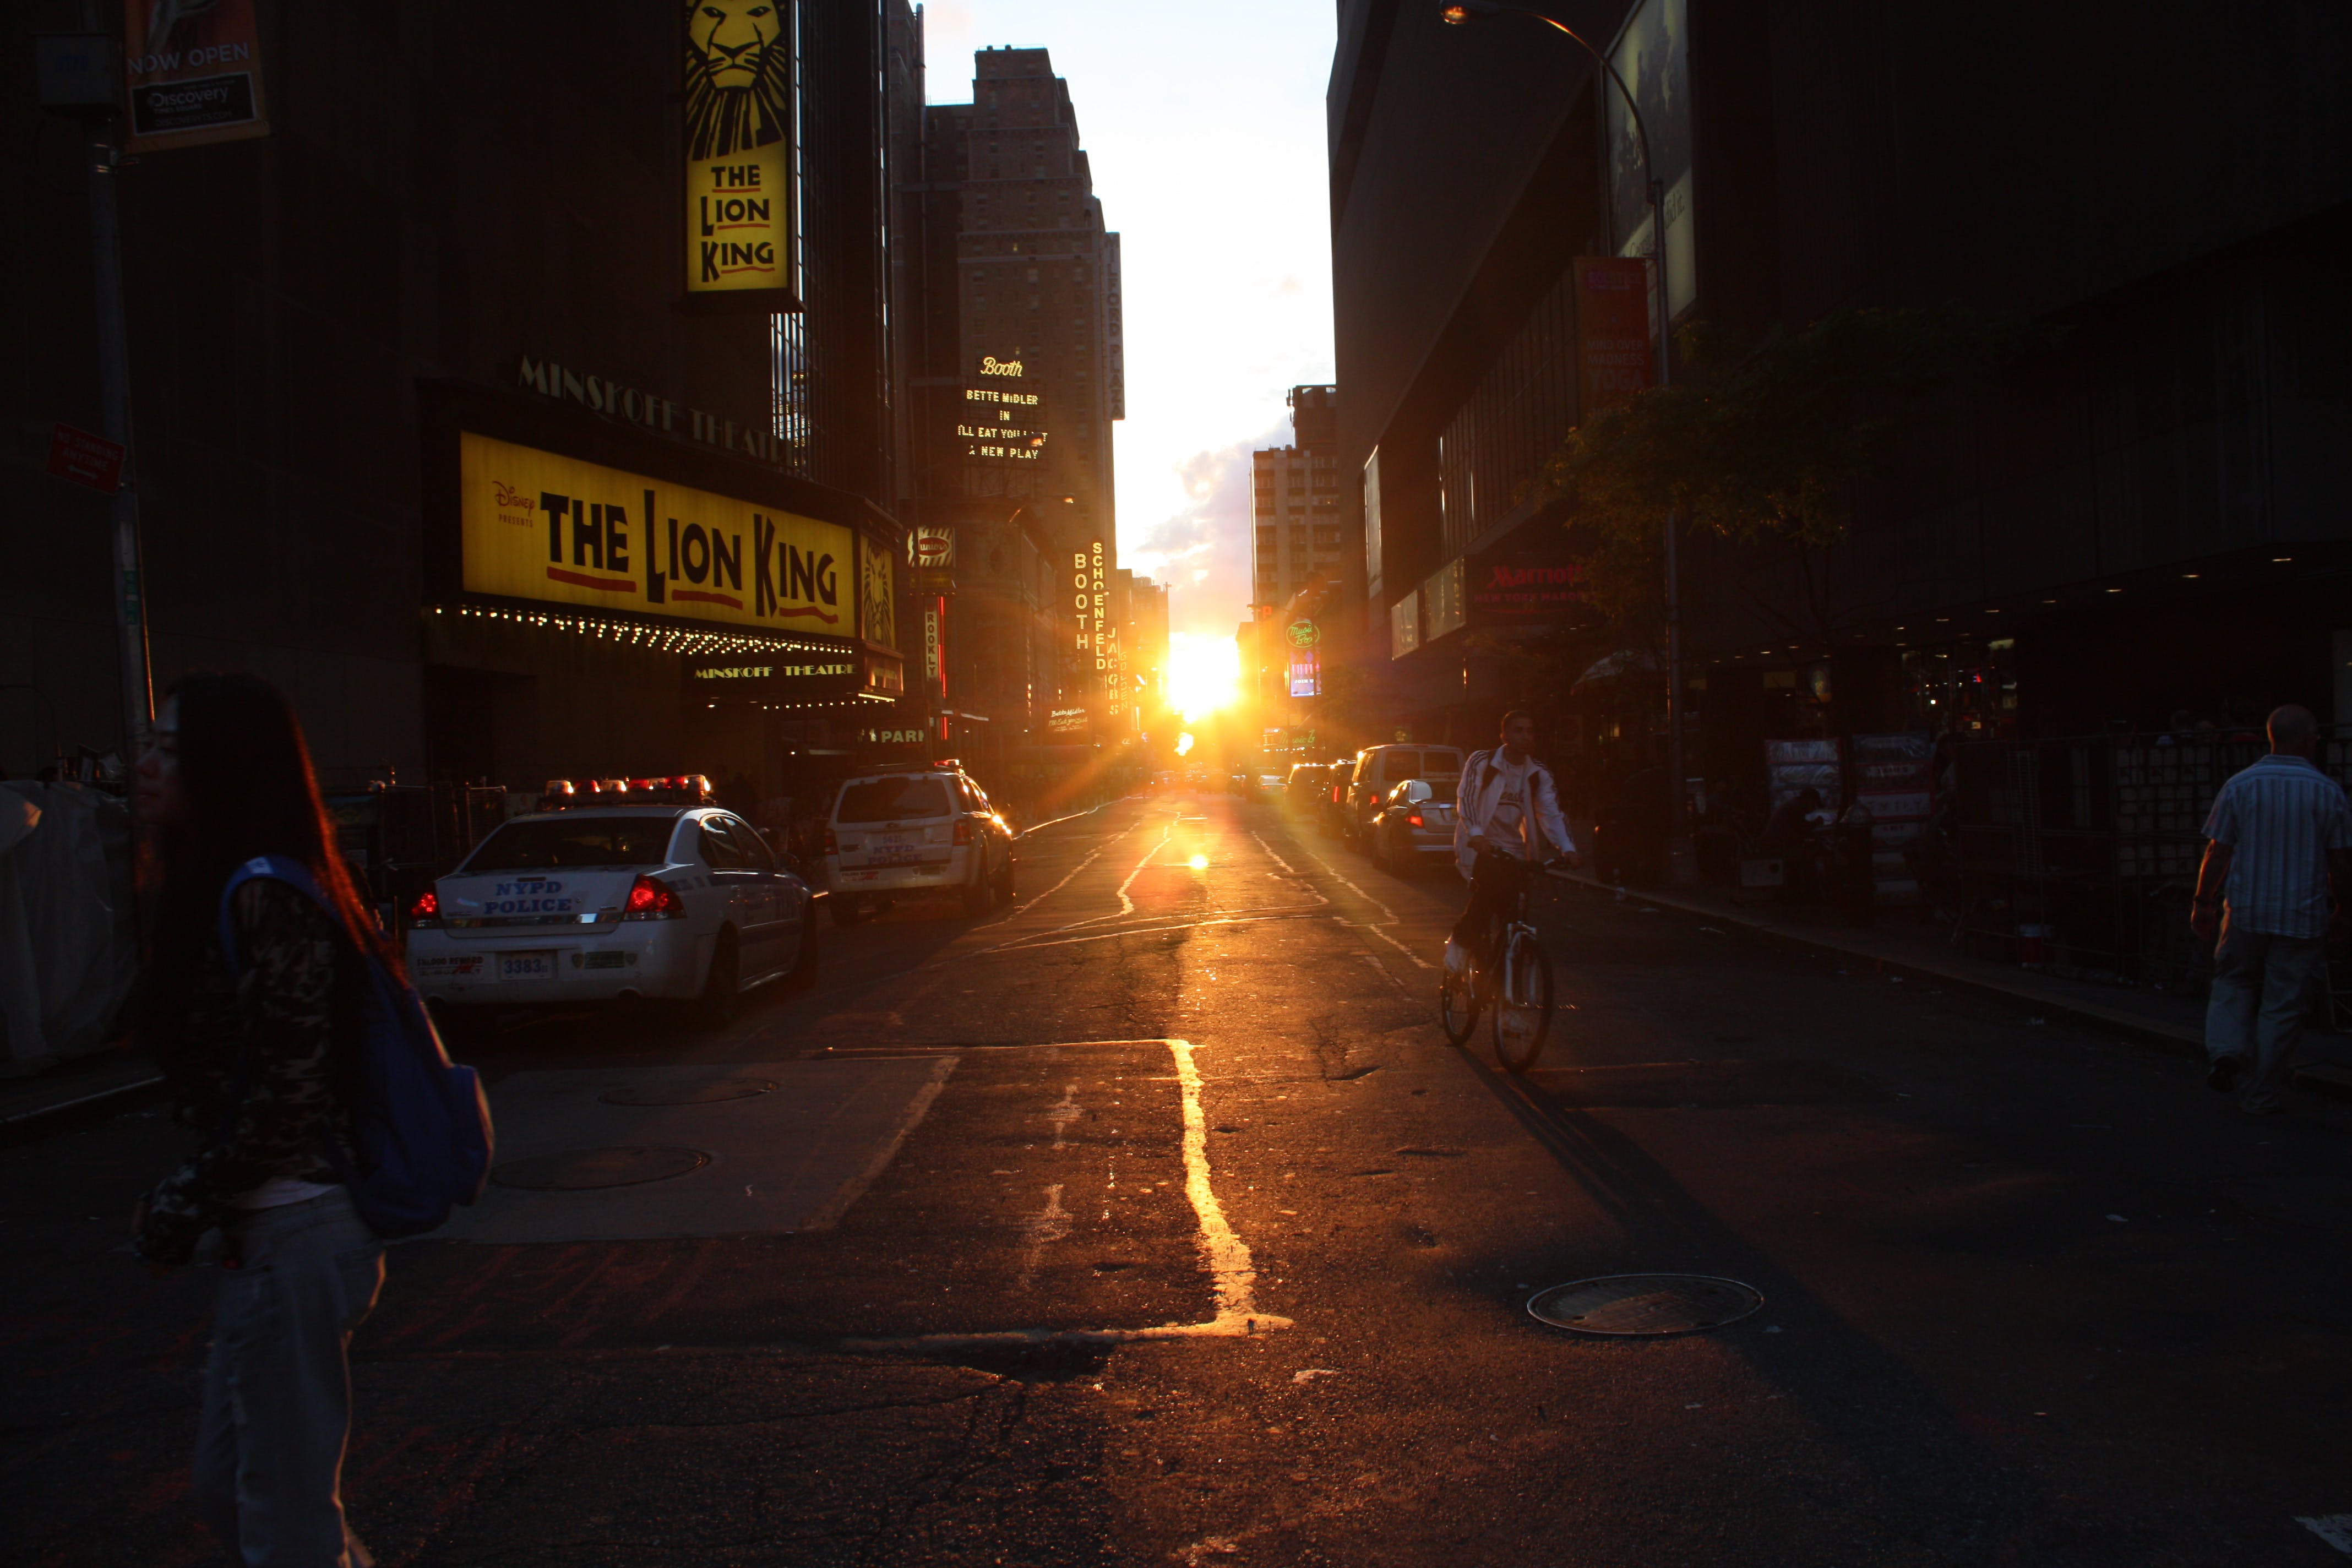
(1151,1218)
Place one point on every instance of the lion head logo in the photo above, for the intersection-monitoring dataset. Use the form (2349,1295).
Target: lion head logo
(737,76)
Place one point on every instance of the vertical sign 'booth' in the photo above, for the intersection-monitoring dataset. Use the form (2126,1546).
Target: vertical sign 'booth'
(738,149)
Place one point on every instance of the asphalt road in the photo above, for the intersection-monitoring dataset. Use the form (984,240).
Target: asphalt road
(1150,1219)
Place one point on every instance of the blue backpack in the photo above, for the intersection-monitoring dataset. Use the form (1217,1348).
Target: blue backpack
(421,1125)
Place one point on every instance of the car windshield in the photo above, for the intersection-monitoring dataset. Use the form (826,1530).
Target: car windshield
(559,841)
(893,799)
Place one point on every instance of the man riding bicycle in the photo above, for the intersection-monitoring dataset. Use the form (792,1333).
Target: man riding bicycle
(1509,811)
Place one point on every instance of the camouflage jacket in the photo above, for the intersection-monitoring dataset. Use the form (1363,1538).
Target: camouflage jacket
(285,1011)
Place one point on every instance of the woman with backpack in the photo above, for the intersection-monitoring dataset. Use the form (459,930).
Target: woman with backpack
(258,1046)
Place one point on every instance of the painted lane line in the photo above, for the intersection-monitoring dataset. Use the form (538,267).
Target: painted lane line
(1151,931)
(1126,904)
(1227,1256)
(1047,1225)
(1276,858)
(1063,1112)
(1377,967)
(1232,1272)
(1393,942)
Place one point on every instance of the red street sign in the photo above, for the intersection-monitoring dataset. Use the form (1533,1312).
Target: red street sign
(85,458)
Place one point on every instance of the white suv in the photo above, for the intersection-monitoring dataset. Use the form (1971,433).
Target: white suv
(915,830)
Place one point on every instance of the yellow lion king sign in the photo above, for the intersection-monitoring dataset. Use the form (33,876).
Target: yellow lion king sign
(738,147)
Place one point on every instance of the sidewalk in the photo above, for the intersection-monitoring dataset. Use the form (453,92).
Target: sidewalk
(103,1081)
(1896,943)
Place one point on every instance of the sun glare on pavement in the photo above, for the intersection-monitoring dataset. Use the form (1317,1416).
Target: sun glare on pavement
(1203,673)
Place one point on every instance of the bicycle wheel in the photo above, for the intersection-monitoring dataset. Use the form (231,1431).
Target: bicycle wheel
(1457,1006)
(1522,1002)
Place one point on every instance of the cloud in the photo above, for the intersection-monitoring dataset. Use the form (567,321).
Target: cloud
(1203,551)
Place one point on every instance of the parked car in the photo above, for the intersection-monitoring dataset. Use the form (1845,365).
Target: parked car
(916,831)
(602,903)
(1413,828)
(1307,787)
(1332,811)
(1380,769)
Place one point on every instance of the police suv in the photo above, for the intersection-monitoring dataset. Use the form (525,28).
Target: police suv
(915,829)
(636,888)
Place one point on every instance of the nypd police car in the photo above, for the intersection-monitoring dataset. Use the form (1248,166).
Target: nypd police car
(628,894)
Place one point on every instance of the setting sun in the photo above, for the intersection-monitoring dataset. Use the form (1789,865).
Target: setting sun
(1203,673)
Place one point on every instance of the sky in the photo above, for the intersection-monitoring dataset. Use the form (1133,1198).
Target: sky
(1206,142)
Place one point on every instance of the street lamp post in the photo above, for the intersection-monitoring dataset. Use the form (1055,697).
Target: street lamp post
(1680,864)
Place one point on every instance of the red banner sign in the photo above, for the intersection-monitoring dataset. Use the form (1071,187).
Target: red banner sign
(85,458)
(1613,329)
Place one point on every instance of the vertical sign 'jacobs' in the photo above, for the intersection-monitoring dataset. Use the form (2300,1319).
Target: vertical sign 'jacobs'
(739,150)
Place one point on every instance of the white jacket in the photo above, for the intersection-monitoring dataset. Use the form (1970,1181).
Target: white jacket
(1484,778)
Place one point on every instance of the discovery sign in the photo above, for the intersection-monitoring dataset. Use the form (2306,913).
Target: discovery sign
(535,525)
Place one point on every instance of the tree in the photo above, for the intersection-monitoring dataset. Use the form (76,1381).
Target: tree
(1778,445)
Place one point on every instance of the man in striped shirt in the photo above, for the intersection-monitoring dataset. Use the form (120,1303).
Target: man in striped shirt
(2280,831)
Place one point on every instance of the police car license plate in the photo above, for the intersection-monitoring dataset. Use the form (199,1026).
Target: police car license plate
(463,966)
(894,849)
(526,966)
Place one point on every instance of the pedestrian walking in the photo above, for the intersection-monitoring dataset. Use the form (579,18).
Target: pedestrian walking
(258,1047)
(2280,833)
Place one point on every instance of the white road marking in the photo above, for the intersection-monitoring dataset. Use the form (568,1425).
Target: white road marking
(1377,967)
(1047,1225)
(1032,944)
(1367,925)
(1065,1111)
(1232,1276)
(1227,1256)
(1126,904)
(1276,858)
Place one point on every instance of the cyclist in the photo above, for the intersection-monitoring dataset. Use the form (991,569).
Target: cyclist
(1508,812)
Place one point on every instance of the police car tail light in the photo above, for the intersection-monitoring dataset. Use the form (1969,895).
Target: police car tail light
(653,900)
(964,830)
(1415,820)
(426,909)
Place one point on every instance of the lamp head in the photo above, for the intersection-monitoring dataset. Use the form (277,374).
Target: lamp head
(1462,12)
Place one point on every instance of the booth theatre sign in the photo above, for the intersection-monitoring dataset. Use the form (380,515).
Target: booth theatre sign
(534,525)
(739,120)
(1001,425)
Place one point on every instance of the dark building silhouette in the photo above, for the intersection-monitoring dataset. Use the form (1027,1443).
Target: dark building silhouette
(1021,376)
(421,248)
(2138,520)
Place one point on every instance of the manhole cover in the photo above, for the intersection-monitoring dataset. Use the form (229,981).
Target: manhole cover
(583,1170)
(1644,1305)
(709,1093)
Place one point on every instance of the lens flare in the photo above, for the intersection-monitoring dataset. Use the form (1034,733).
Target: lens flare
(1199,862)
(1184,744)
(1203,674)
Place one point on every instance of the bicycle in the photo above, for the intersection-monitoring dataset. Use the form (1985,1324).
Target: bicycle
(1520,995)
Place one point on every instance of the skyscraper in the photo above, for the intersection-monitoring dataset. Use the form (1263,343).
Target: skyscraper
(1036,288)
(1021,377)
(1300,525)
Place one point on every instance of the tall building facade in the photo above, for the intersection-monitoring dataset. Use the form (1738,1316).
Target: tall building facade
(559,550)
(1020,377)
(1301,526)
(2134,522)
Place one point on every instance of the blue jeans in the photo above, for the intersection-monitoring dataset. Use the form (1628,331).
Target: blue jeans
(2260,1000)
(277,1390)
